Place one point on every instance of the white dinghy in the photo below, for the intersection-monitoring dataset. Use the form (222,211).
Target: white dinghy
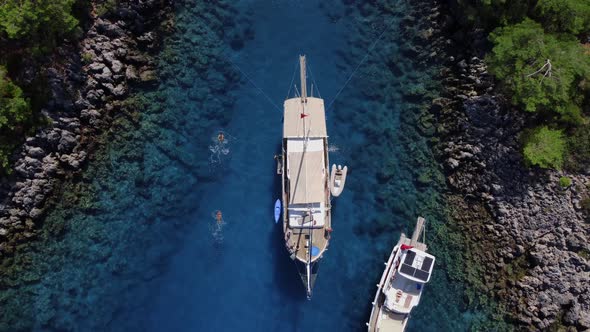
(337,179)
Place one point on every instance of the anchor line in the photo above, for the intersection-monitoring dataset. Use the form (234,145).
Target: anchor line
(254,85)
(222,53)
(361,62)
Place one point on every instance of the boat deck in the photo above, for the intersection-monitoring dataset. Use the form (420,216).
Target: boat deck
(391,322)
(299,242)
(306,216)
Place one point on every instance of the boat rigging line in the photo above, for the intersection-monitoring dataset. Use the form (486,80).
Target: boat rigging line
(314,82)
(269,99)
(254,84)
(292,79)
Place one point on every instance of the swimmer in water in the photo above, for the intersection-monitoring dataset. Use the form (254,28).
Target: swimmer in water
(219,217)
(217,227)
(221,137)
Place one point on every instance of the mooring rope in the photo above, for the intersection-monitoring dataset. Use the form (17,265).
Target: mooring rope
(222,53)
(254,84)
(360,63)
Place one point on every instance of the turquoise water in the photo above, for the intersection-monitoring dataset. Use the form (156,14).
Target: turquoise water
(137,249)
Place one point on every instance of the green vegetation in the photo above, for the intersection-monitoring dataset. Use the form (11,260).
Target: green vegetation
(565,182)
(38,22)
(572,16)
(545,148)
(15,114)
(579,146)
(542,64)
(87,57)
(106,7)
(29,30)
(541,71)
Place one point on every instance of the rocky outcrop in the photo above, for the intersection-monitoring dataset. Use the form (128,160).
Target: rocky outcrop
(535,238)
(87,83)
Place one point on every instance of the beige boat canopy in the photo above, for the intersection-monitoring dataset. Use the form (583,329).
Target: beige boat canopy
(307,176)
(315,119)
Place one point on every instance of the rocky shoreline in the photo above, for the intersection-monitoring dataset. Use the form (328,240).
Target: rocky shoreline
(528,232)
(89,83)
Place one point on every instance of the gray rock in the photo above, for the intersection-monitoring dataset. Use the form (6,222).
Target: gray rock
(109,57)
(95,95)
(35,213)
(96,66)
(147,76)
(90,116)
(53,137)
(67,142)
(35,151)
(109,29)
(50,165)
(131,73)
(116,66)
(104,76)
(119,90)
(452,163)
(74,160)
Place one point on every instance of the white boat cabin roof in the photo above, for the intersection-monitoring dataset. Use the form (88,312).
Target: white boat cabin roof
(313,124)
(309,215)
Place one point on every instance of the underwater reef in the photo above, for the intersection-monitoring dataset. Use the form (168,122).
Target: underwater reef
(114,156)
(395,112)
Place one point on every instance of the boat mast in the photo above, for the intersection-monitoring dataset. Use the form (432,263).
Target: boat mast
(302,73)
(303,77)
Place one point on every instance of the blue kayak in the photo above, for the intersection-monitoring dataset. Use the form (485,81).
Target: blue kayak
(277,210)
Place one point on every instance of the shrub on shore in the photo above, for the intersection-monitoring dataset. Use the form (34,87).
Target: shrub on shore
(545,148)
(15,114)
(541,62)
(565,182)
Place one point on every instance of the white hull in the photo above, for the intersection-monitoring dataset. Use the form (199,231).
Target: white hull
(382,320)
(407,271)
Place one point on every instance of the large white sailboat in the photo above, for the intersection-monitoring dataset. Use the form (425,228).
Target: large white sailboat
(407,271)
(303,166)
